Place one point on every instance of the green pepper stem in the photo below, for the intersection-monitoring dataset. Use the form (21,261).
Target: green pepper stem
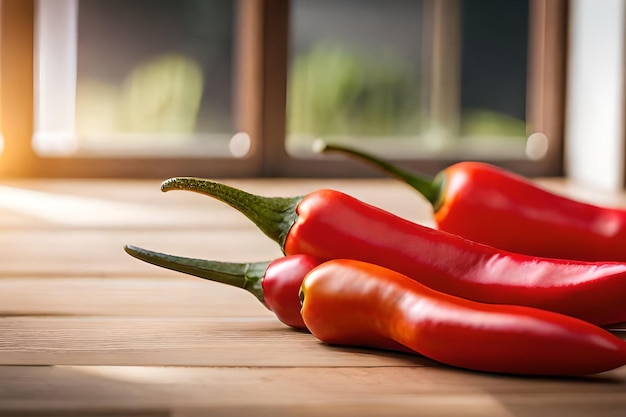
(248,276)
(273,215)
(429,187)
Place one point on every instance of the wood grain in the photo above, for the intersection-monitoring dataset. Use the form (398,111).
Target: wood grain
(339,391)
(118,296)
(184,341)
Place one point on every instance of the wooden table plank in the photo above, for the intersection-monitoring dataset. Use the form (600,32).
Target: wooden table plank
(188,341)
(100,253)
(80,227)
(339,391)
(162,297)
(107,204)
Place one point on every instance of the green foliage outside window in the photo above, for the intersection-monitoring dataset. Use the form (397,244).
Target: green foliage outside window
(335,91)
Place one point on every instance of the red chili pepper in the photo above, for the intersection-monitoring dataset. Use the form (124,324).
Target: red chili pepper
(347,302)
(329,224)
(275,283)
(496,207)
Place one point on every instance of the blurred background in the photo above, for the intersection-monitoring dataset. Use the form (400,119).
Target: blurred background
(242,88)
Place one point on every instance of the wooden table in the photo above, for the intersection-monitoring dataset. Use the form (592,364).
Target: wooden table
(87,330)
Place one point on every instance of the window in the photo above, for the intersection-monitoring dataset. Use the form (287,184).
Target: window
(357,73)
(412,79)
(134,76)
(139,88)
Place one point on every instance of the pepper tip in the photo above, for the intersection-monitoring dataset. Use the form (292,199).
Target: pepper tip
(130,249)
(176,183)
(167,184)
(134,251)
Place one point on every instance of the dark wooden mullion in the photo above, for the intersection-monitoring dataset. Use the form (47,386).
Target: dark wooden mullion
(547,79)
(275,56)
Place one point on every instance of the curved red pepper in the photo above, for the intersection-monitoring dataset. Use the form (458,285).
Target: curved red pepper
(275,283)
(329,224)
(496,207)
(347,302)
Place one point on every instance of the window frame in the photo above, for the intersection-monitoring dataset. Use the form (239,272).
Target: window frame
(261,91)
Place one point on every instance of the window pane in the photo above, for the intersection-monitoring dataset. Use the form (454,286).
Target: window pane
(410,79)
(152,76)
(494,69)
(355,71)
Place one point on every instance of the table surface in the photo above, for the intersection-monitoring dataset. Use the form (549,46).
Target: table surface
(87,330)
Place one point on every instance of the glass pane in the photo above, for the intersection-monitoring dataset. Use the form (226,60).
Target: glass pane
(156,75)
(494,71)
(355,72)
(410,79)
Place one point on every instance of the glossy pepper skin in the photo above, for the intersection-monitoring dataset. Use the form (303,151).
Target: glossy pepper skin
(275,283)
(496,207)
(328,224)
(347,302)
